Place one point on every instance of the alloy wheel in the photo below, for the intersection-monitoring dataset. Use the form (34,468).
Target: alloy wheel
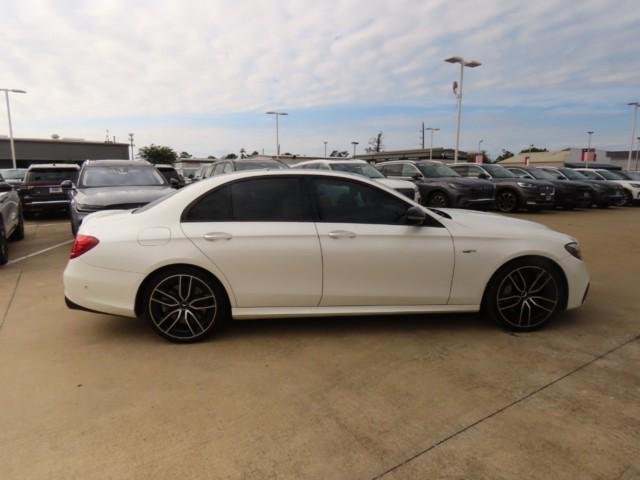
(439,199)
(527,297)
(507,202)
(183,307)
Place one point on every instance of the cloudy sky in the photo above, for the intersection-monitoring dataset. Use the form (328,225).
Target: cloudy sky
(199,75)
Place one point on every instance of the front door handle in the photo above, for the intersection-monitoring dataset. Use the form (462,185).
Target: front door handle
(341,234)
(213,236)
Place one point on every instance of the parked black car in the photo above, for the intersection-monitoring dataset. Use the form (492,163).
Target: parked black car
(170,173)
(440,186)
(512,192)
(569,193)
(41,190)
(604,193)
(234,165)
(114,185)
(13,176)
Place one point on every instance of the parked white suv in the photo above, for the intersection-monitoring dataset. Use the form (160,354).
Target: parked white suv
(631,187)
(360,167)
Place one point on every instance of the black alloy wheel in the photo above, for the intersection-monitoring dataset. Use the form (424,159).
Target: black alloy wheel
(184,305)
(507,201)
(18,233)
(4,254)
(525,295)
(438,199)
(628,198)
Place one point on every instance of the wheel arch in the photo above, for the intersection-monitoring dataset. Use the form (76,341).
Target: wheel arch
(139,301)
(549,261)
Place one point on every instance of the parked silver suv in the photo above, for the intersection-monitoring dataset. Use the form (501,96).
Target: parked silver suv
(11,220)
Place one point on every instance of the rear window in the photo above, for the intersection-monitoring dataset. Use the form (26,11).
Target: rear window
(50,175)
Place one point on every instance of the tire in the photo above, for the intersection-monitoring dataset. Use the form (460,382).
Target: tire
(184,305)
(18,233)
(4,254)
(525,294)
(507,201)
(439,199)
(628,198)
(74,229)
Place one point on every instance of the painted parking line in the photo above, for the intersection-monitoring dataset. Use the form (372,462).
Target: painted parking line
(44,250)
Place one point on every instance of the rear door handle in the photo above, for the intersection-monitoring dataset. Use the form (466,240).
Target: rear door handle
(213,236)
(341,234)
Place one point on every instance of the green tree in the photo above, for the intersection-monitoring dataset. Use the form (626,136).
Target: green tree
(533,150)
(375,144)
(158,154)
(185,155)
(211,157)
(504,155)
(231,156)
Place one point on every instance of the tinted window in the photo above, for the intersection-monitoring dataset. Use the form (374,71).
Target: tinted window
(218,169)
(437,170)
(259,165)
(134,175)
(591,175)
(572,174)
(255,200)
(392,170)
(50,175)
(498,171)
(341,201)
(227,167)
(409,170)
(169,173)
(463,170)
(363,169)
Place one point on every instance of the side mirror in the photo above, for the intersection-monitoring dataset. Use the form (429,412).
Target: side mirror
(415,216)
(5,187)
(484,176)
(417,176)
(174,183)
(560,177)
(66,184)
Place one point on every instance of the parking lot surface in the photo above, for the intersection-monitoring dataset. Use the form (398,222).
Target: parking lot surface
(88,396)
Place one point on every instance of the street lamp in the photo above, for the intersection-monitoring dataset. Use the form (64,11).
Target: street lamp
(325,149)
(589,133)
(480,142)
(431,130)
(277,114)
(635,106)
(463,63)
(6,96)
(355,144)
(637,150)
(131,143)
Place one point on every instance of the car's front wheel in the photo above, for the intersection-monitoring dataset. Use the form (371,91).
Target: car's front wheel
(525,294)
(438,199)
(185,305)
(507,201)
(4,253)
(628,198)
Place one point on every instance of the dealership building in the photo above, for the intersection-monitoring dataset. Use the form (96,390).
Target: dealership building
(64,150)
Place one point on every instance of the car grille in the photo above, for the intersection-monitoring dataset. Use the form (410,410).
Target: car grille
(407,192)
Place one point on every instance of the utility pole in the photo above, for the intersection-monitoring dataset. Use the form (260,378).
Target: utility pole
(431,130)
(277,115)
(586,158)
(422,135)
(131,143)
(633,130)
(325,149)
(6,96)
(355,144)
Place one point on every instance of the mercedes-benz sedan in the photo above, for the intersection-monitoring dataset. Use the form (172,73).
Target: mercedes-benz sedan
(296,243)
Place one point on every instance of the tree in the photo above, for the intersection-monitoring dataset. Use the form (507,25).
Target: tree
(339,154)
(243,153)
(375,144)
(211,157)
(185,155)
(254,153)
(504,155)
(533,150)
(231,156)
(158,154)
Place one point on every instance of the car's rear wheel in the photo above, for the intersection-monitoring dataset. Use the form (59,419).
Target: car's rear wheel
(18,233)
(507,201)
(438,199)
(185,305)
(4,254)
(628,198)
(525,295)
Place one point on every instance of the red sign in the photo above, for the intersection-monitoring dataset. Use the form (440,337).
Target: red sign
(479,158)
(588,155)
(526,161)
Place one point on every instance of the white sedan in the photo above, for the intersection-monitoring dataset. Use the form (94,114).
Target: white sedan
(262,244)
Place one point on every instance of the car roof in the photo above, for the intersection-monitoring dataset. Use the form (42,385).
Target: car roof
(54,166)
(117,163)
(331,162)
(422,162)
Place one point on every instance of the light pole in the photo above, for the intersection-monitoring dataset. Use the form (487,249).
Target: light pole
(637,149)
(325,149)
(131,143)
(480,142)
(463,63)
(635,106)
(6,96)
(431,130)
(277,114)
(586,159)
(355,144)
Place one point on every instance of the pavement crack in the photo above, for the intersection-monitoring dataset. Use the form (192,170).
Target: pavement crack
(13,294)
(506,407)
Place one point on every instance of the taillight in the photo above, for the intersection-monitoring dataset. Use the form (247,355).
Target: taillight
(83,244)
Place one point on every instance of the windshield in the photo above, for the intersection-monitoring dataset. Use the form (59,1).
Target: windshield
(572,174)
(363,169)
(13,174)
(541,174)
(50,175)
(436,170)
(109,176)
(633,175)
(609,175)
(259,165)
(498,171)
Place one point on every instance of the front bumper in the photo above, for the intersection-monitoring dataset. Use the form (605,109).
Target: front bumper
(577,281)
(537,199)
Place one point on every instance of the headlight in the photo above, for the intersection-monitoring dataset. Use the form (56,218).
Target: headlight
(574,249)
(526,185)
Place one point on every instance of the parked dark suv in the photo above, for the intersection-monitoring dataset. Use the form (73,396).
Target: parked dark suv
(41,190)
(169,172)
(604,195)
(512,192)
(114,185)
(569,193)
(440,186)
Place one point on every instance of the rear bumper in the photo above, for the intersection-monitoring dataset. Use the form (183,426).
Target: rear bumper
(39,205)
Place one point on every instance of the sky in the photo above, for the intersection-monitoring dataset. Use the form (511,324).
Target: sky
(199,75)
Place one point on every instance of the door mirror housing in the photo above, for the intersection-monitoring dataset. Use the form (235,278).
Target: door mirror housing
(174,183)
(417,176)
(66,184)
(415,216)
(5,187)
(484,176)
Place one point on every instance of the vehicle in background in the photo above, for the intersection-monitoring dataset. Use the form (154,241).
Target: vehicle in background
(632,174)
(512,192)
(240,164)
(309,243)
(631,187)
(13,176)
(41,190)
(440,186)
(570,194)
(605,194)
(188,173)
(360,167)
(114,185)
(11,219)
(169,173)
